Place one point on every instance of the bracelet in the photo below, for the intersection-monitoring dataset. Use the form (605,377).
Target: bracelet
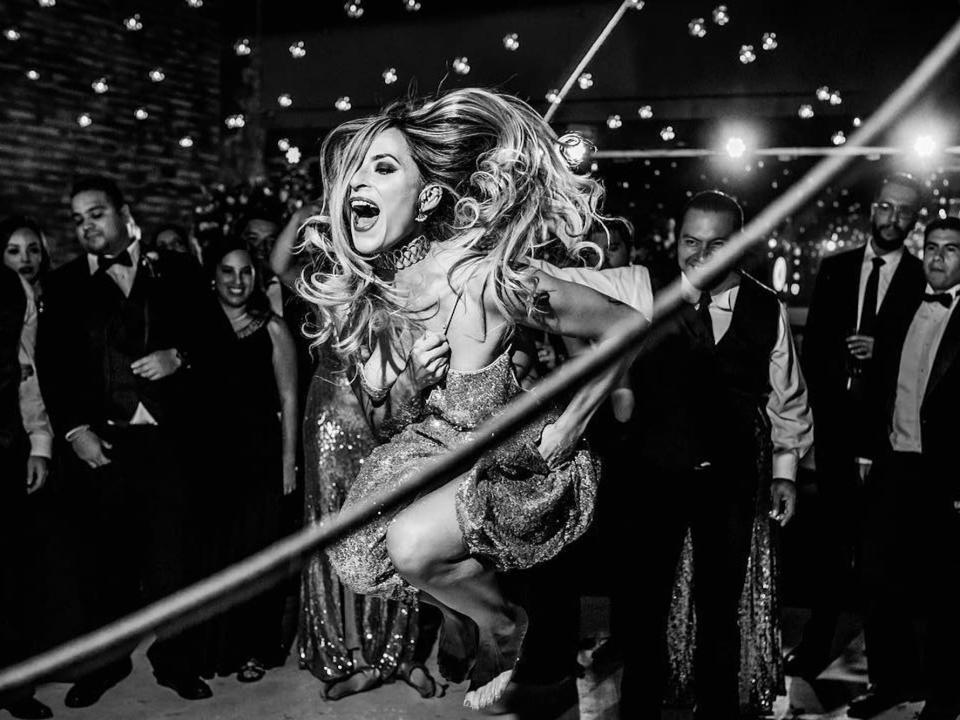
(376,394)
(183,358)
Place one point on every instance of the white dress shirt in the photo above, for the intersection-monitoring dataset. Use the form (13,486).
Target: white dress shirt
(787,407)
(36,422)
(890,262)
(916,361)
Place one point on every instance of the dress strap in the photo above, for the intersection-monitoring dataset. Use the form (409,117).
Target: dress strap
(446,324)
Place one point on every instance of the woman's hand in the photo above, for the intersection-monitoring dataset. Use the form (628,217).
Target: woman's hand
(429,359)
(557,443)
(38,468)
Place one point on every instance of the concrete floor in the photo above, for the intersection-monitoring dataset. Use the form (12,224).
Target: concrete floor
(288,693)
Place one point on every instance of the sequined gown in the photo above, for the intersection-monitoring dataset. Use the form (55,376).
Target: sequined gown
(761,658)
(513,510)
(333,619)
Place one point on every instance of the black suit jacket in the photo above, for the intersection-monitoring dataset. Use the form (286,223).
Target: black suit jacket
(940,409)
(831,319)
(71,340)
(12,308)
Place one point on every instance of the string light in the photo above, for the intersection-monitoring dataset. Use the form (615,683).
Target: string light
(511,41)
(298,50)
(645,112)
(46,3)
(141,113)
(84,120)
(343,103)
(585,81)
(668,133)
(292,154)
(235,122)
(461,66)
(186,141)
(553,96)
(746,54)
(720,15)
(283,144)
(614,122)
(285,100)
(389,76)
(411,5)
(769,41)
(697,27)
(835,98)
(100,86)
(823,93)
(354,9)
(838,138)
(158,75)
(33,75)
(195,3)
(242,47)
(11,34)
(133,23)
(805,111)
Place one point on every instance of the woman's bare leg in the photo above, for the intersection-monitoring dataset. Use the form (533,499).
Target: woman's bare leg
(427,548)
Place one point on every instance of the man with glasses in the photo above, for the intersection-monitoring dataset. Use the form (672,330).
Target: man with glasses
(862,300)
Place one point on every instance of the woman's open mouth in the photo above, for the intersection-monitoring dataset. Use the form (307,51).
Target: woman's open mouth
(363,214)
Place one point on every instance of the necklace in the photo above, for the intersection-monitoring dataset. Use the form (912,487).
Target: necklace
(410,253)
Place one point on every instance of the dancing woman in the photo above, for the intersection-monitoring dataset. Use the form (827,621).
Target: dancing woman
(430,213)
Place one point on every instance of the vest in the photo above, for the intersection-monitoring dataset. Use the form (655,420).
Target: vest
(698,404)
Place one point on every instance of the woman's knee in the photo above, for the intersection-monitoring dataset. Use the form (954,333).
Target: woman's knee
(412,551)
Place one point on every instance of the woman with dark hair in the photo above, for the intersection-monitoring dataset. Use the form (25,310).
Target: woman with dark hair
(431,213)
(251,381)
(25,251)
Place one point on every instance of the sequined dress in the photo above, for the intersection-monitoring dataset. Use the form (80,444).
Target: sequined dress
(513,510)
(761,657)
(334,621)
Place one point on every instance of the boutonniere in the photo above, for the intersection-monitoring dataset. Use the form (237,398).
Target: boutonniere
(149,262)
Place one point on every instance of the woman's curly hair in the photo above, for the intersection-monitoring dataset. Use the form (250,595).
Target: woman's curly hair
(506,190)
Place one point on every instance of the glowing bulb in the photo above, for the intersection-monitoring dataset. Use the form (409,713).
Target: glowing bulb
(925,146)
(747,55)
(195,3)
(141,113)
(133,23)
(292,154)
(46,3)
(769,41)
(298,50)
(720,15)
(343,103)
(33,75)
(100,86)
(667,133)
(838,138)
(697,27)
(835,98)
(389,76)
(614,122)
(645,112)
(823,93)
(186,141)
(511,42)
(283,144)
(553,96)
(460,65)
(235,122)
(84,120)
(157,75)
(411,5)
(11,34)
(585,81)
(285,100)
(805,111)
(242,47)
(857,122)
(354,9)
(736,147)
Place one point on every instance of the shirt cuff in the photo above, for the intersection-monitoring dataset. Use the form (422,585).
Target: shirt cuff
(72,433)
(785,465)
(41,445)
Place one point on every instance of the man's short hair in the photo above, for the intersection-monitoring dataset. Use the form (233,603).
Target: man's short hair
(905,180)
(715,201)
(99,183)
(948,223)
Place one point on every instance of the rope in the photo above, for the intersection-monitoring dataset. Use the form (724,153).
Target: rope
(235,584)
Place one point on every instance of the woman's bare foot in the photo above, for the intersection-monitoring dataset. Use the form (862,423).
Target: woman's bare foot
(496,661)
(360,680)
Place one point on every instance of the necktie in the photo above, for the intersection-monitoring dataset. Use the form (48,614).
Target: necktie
(945,299)
(703,312)
(104,262)
(868,315)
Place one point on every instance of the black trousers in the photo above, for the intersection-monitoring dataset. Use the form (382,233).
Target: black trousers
(719,508)
(912,576)
(136,535)
(14,562)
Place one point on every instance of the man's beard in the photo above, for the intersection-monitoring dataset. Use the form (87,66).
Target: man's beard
(885,243)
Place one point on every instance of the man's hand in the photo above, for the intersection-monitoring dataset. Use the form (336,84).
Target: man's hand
(89,447)
(557,443)
(860,346)
(38,468)
(429,359)
(546,355)
(289,476)
(783,499)
(157,365)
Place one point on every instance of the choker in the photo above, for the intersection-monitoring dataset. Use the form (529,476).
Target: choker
(410,253)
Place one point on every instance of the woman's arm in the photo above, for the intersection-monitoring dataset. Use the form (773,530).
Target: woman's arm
(285,375)
(576,311)
(284,262)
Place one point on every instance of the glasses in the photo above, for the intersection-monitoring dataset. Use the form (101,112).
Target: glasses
(889,209)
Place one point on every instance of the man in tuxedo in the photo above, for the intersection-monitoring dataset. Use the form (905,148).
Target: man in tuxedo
(721,417)
(912,529)
(862,301)
(120,332)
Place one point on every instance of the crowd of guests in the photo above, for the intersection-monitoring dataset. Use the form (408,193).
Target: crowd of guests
(170,391)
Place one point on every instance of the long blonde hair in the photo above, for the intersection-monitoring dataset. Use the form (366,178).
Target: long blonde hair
(505,190)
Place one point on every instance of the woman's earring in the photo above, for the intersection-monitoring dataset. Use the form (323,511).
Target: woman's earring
(421,216)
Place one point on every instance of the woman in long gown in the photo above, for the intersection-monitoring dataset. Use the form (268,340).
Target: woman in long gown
(252,389)
(430,213)
(352,643)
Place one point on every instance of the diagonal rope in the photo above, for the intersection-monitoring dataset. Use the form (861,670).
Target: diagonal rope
(587,57)
(235,584)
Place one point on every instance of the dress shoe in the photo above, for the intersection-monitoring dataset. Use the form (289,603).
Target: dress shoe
(87,690)
(802,665)
(29,709)
(872,704)
(189,687)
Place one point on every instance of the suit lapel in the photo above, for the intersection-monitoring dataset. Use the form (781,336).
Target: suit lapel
(903,276)
(946,353)
(850,288)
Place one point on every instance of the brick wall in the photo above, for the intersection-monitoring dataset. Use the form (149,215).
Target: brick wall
(42,147)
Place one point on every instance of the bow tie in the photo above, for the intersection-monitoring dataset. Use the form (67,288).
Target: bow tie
(123,258)
(945,299)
